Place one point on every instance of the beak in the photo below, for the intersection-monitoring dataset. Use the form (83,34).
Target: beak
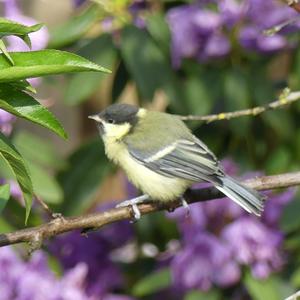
(95,118)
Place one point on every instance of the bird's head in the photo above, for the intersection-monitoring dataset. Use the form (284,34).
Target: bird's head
(117,120)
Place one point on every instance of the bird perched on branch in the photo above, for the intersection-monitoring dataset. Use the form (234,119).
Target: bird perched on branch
(162,157)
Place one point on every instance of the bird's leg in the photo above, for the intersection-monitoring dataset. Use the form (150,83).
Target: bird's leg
(185,205)
(133,203)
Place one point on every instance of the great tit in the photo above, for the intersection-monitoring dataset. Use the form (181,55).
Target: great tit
(162,157)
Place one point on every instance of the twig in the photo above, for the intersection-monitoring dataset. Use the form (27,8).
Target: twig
(295,296)
(285,98)
(44,206)
(294,4)
(36,235)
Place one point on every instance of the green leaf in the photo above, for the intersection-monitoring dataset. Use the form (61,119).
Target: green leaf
(24,106)
(88,166)
(152,283)
(4,195)
(74,28)
(98,50)
(45,185)
(39,150)
(296,278)
(159,30)
(44,62)
(197,295)
(262,289)
(289,220)
(41,163)
(8,27)
(237,97)
(17,165)
(23,85)
(198,96)
(4,51)
(149,67)
(278,160)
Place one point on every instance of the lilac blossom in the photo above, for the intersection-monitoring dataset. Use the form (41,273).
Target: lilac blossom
(204,262)
(254,244)
(33,280)
(103,274)
(6,122)
(203,33)
(219,238)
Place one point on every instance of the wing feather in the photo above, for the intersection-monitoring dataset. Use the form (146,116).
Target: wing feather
(187,159)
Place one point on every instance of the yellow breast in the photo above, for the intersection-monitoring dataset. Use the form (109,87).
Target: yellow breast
(157,186)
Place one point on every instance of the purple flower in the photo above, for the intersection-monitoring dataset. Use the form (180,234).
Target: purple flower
(217,45)
(232,11)
(6,122)
(202,33)
(254,244)
(103,275)
(274,206)
(191,28)
(33,280)
(78,3)
(203,262)
(220,226)
(116,297)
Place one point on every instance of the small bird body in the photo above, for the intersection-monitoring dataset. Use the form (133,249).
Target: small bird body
(162,157)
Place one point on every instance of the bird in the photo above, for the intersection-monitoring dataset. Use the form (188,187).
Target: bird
(163,158)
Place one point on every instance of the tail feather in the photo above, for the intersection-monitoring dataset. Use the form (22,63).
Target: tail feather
(249,199)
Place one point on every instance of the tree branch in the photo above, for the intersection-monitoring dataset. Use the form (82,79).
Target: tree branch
(285,98)
(36,235)
(294,4)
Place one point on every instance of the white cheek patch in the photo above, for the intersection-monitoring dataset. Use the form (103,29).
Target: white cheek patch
(116,131)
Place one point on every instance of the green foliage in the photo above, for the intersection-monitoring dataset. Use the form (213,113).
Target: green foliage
(141,53)
(152,283)
(8,27)
(15,68)
(290,220)
(42,161)
(42,63)
(197,295)
(271,288)
(4,196)
(18,167)
(74,28)
(24,106)
(87,167)
(98,50)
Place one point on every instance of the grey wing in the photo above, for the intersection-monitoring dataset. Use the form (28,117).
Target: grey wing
(187,159)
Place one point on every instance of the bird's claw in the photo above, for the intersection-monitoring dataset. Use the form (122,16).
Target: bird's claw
(133,203)
(185,205)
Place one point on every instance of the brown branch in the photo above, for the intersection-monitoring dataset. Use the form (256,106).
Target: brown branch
(36,235)
(285,98)
(293,4)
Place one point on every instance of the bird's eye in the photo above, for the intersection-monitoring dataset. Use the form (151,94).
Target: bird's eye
(110,121)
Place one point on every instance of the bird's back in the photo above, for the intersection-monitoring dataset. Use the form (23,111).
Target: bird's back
(147,136)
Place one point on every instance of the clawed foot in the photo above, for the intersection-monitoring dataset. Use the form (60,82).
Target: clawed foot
(185,205)
(133,203)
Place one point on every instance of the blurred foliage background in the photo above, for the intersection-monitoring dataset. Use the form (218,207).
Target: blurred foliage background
(183,57)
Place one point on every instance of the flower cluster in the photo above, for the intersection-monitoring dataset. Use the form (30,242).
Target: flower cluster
(200,32)
(18,279)
(219,238)
(89,273)
(103,274)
